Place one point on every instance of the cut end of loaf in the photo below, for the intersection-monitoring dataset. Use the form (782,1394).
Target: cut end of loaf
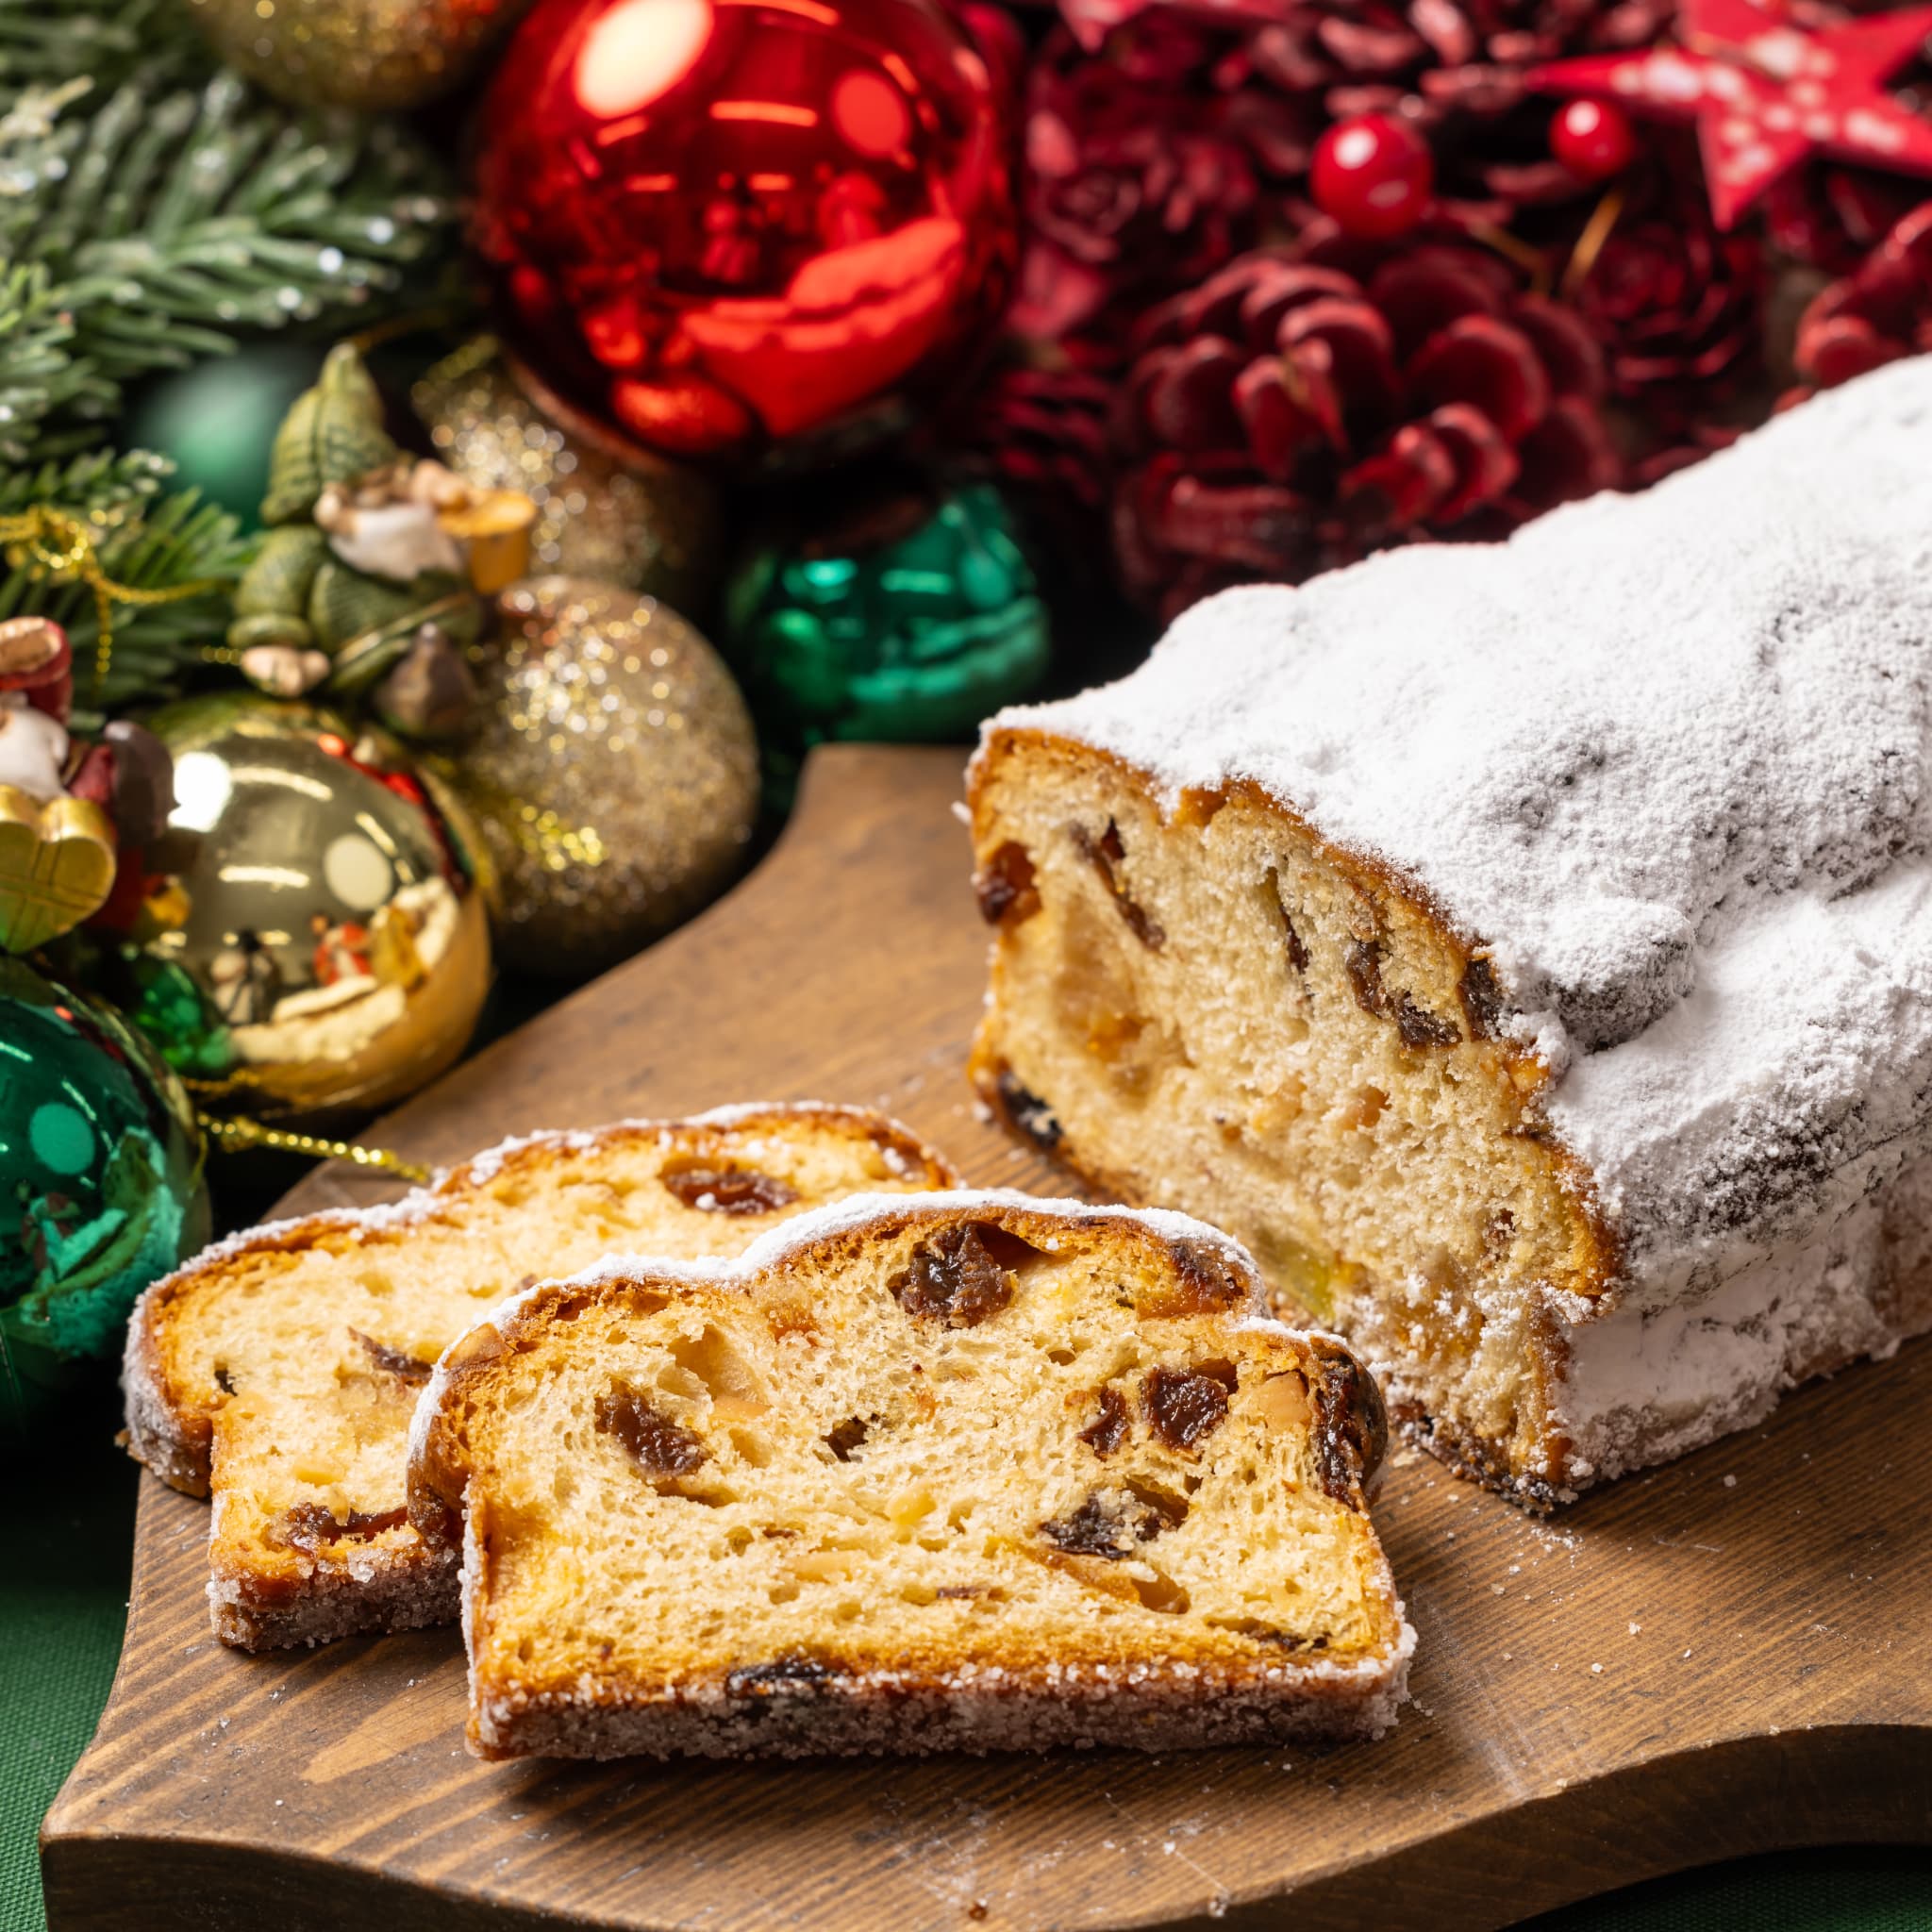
(279,1370)
(973,1473)
(1208,1006)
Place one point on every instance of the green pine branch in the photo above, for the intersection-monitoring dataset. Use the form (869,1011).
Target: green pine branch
(167,221)
(40,376)
(144,536)
(155,211)
(52,42)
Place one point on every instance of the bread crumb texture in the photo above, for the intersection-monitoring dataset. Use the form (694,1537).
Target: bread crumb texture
(973,1473)
(279,1370)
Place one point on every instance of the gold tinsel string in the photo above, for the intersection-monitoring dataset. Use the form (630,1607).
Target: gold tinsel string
(1590,244)
(1512,248)
(61,547)
(1535,264)
(235,1132)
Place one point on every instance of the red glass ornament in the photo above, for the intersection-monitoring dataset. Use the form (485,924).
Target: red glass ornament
(1372,174)
(732,225)
(1594,140)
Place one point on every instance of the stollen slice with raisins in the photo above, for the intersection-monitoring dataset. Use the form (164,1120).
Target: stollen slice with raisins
(964,1471)
(278,1371)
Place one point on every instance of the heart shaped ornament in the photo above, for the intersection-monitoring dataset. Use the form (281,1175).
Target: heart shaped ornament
(57,865)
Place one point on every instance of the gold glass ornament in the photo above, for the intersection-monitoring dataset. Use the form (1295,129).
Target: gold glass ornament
(611,768)
(313,939)
(604,509)
(374,56)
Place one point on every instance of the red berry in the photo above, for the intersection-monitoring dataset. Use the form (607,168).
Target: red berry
(1372,174)
(1592,139)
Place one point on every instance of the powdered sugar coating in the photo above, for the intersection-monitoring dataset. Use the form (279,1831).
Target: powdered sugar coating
(1664,755)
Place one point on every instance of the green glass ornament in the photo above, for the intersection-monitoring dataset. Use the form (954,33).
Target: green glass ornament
(217,421)
(907,615)
(101,1188)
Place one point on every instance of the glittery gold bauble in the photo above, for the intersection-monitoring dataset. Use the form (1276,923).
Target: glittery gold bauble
(369,55)
(313,943)
(604,509)
(612,769)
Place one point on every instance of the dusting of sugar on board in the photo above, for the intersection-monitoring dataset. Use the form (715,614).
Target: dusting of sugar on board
(1665,755)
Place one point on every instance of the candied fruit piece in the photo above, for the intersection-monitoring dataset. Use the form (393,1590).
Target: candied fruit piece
(1186,1406)
(1352,1422)
(728,1190)
(1005,887)
(1029,1114)
(784,1676)
(1416,1025)
(658,1444)
(1104,854)
(963,1274)
(1482,998)
(1362,962)
(1109,1429)
(1201,1285)
(1311,1276)
(392,1362)
(310,1525)
(1297,946)
(1108,1527)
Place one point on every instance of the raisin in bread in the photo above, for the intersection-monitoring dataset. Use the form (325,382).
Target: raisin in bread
(976,1472)
(1524,948)
(278,1371)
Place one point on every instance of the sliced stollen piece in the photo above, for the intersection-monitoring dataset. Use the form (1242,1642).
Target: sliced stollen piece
(1526,948)
(278,1371)
(972,1471)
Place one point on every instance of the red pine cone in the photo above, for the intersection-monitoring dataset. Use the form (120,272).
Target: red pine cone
(1679,310)
(1290,414)
(1044,431)
(1143,173)
(1831,218)
(1880,311)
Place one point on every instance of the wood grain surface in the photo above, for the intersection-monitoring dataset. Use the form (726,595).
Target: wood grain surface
(1729,1655)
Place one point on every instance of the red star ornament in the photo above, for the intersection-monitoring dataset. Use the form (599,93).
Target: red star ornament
(1766,93)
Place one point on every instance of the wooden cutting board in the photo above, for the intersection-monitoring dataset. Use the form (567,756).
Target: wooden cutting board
(1730,1654)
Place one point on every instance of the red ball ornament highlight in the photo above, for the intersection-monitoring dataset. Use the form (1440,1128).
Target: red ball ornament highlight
(1372,174)
(1594,140)
(736,227)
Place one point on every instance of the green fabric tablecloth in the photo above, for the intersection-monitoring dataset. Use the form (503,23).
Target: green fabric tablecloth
(63,1603)
(64,1599)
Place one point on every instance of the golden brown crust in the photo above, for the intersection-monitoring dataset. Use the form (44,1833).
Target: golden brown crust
(437,1473)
